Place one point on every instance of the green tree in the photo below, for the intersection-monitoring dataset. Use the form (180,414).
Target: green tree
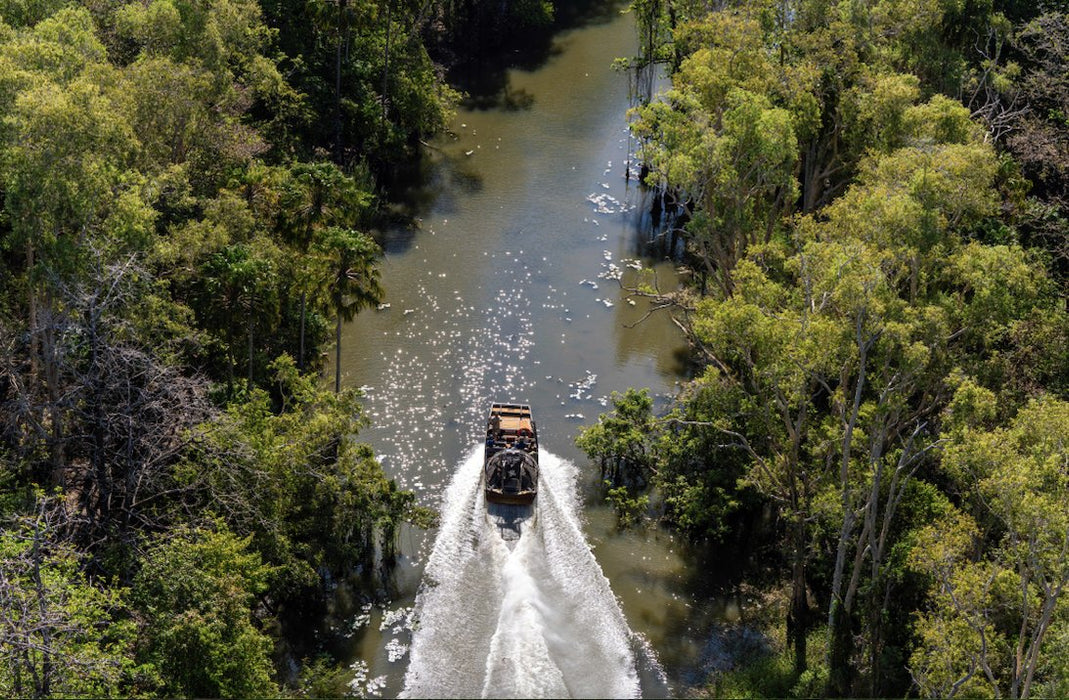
(295,478)
(235,280)
(990,616)
(61,634)
(197,593)
(315,196)
(350,258)
(621,440)
(734,164)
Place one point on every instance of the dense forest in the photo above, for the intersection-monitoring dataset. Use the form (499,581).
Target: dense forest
(871,196)
(872,199)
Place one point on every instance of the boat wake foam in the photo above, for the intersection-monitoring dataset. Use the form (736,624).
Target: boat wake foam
(526,614)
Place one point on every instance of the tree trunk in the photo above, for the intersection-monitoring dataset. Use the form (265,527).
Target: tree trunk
(798,616)
(386,66)
(840,610)
(50,368)
(32,308)
(252,316)
(300,356)
(337,78)
(231,360)
(45,681)
(337,356)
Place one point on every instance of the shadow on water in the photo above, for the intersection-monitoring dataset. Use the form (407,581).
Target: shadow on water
(433,181)
(483,75)
(657,222)
(706,616)
(510,520)
(727,577)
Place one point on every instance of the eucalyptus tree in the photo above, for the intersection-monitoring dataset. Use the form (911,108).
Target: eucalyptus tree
(996,617)
(830,350)
(734,164)
(61,634)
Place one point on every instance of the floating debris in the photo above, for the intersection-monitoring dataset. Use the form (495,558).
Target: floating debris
(583,386)
(396,650)
(604,203)
(361,685)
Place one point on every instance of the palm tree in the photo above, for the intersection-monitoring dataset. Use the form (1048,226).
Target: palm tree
(235,279)
(317,195)
(353,281)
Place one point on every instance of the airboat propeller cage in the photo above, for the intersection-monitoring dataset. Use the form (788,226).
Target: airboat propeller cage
(510,462)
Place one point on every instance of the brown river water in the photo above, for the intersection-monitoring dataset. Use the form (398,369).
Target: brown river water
(506,289)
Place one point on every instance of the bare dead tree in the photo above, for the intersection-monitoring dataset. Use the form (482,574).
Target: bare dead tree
(127,417)
(1000,104)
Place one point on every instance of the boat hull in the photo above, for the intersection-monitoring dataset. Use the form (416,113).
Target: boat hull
(517,499)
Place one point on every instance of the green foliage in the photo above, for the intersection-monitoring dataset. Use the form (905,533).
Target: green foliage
(637,451)
(992,610)
(372,90)
(62,634)
(769,673)
(164,228)
(237,280)
(322,678)
(769,676)
(294,477)
(621,439)
(733,155)
(847,346)
(197,593)
(630,510)
(353,280)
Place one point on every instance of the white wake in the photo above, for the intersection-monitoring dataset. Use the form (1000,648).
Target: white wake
(537,620)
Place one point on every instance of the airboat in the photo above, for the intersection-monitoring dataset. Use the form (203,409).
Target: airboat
(510,460)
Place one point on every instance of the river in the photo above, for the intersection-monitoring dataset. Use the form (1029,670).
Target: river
(506,290)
